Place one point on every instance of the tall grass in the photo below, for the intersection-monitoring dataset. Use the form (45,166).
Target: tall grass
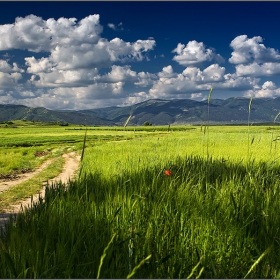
(223,230)
(123,217)
(207,127)
(249,114)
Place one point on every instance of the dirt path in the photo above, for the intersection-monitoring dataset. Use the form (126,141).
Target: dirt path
(6,184)
(70,168)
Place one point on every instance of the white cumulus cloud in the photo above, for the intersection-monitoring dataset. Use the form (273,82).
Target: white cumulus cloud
(35,34)
(145,79)
(193,81)
(248,50)
(267,90)
(5,67)
(9,80)
(197,96)
(136,98)
(64,78)
(193,53)
(255,69)
(119,74)
(167,72)
(112,26)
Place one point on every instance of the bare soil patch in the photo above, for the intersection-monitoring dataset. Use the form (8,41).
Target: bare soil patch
(15,175)
(71,166)
(10,181)
(40,153)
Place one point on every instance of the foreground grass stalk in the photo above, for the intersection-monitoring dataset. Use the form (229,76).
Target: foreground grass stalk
(137,267)
(193,270)
(272,134)
(209,99)
(104,255)
(207,127)
(83,153)
(84,146)
(200,272)
(249,114)
(258,261)
(127,121)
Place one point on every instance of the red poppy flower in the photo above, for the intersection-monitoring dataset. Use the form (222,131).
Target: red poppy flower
(167,172)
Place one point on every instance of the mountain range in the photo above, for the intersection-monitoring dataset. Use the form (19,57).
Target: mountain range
(233,110)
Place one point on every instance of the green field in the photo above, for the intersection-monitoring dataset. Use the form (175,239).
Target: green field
(215,216)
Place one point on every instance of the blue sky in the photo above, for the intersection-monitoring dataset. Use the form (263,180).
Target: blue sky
(83,55)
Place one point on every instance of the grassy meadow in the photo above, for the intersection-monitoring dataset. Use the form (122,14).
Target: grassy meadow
(149,202)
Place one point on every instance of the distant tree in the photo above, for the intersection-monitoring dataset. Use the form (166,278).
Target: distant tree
(147,123)
(63,123)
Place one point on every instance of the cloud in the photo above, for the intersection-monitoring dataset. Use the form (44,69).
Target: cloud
(126,75)
(35,34)
(92,92)
(76,50)
(5,67)
(267,90)
(112,26)
(236,83)
(92,96)
(9,80)
(76,68)
(86,56)
(118,74)
(255,69)
(197,96)
(125,51)
(66,74)
(115,27)
(71,44)
(193,80)
(136,98)
(42,65)
(167,72)
(212,73)
(64,78)
(248,50)
(194,53)
(145,79)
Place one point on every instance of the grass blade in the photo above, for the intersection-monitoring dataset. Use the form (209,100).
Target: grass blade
(193,270)
(84,146)
(250,104)
(10,264)
(137,267)
(276,117)
(104,255)
(257,261)
(127,121)
(210,95)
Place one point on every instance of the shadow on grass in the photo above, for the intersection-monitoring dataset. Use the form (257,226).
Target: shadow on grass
(65,235)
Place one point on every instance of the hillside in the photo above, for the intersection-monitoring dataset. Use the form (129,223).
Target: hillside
(186,111)
(19,112)
(156,111)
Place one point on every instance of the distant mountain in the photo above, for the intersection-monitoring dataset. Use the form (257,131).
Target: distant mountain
(186,111)
(20,112)
(157,112)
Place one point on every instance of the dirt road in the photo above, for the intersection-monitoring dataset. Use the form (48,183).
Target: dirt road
(70,168)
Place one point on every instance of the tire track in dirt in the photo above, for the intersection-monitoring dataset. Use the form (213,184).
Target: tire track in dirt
(6,184)
(71,166)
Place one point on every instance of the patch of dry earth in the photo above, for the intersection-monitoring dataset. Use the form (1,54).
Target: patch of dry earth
(70,168)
